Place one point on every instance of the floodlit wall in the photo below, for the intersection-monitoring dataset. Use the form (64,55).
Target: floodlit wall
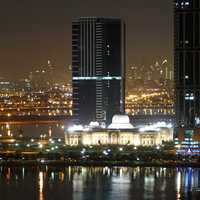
(148,138)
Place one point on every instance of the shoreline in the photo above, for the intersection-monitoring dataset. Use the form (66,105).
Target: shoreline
(59,163)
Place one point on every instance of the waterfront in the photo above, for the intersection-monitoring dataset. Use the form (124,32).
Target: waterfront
(85,183)
(33,129)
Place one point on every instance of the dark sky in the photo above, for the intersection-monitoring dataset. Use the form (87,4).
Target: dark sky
(33,31)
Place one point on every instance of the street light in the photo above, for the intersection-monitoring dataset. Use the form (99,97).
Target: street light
(158,147)
(120,149)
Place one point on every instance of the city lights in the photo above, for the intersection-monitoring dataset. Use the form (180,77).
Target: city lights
(100,107)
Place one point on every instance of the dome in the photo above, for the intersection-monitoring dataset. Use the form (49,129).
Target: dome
(94,124)
(120,119)
(120,122)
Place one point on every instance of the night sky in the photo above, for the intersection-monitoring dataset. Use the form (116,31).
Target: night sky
(33,31)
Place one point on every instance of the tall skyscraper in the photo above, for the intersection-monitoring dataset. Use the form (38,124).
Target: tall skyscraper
(187,64)
(98,68)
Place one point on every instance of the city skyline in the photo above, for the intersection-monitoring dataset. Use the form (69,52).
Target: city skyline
(100,99)
(36,32)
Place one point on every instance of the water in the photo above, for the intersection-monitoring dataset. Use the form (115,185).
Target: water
(33,130)
(98,183)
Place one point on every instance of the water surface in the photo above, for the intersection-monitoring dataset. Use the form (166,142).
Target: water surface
(100,183)
(33,130)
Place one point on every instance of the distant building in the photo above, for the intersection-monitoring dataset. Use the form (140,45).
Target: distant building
(6,85)
(188,142)
(98,68)
(119,132)
(187,65)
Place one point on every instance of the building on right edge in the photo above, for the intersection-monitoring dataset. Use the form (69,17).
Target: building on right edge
(187,69)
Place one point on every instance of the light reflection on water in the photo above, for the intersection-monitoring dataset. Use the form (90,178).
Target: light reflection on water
(32,130)
(81,183)
(41,185)
(187,182)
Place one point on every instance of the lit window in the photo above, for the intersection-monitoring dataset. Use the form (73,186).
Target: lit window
(189,96)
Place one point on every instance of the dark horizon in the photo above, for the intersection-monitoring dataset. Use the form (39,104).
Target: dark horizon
(33,32)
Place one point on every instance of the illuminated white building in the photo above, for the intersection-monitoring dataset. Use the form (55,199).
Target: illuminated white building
(119,132)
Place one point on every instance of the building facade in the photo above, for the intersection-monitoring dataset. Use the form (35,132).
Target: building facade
(119,132)
(187,65)
(98,68)
(119,137)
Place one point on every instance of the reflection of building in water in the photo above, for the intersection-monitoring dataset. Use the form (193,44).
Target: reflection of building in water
(121,132)
(187,181)
(149,184)
(41,185)
(120,184)
(78,186)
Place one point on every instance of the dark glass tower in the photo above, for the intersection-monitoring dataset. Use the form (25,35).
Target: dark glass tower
(187,63)
(98,68)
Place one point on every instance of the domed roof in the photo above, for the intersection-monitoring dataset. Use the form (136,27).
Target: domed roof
(94,124)
(121,119)
(120,122)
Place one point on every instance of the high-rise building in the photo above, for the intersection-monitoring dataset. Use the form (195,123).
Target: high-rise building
(98,68)
(187,64)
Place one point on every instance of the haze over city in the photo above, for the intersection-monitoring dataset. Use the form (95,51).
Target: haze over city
(34,31)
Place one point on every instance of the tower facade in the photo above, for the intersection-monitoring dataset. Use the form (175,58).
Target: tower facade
(187,63)
(98,68)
